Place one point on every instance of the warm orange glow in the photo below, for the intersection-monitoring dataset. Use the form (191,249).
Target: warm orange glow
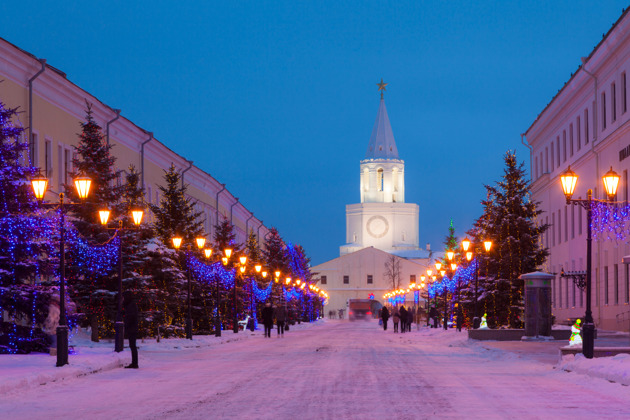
(40,185)
(227,252)
(258,267)
(450,255)
(611,182)
(224,260)
(302,286)
(177,242)
(277,273)
(103,215)
(429,272)
(487,245)
(469,255)
(569,181)
(466,244)
(208,252)
(438,265)
(242,259)
(242,268)
(422,279)
(264,274)
(201,241)
(288,280)
(453,266)
(443,272)
(83,184)
(298,281)
(137,216)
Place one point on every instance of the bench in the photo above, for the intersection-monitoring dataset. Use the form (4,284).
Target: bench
(243,324)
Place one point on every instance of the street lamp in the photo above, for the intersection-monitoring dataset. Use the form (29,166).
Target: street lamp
(39,184)
(568,180)
(242,260)
(119,326)
(177,243)
(469,255)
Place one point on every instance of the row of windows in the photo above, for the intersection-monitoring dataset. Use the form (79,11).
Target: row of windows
(578,131)
(567,294)
(370,279)
(380,179)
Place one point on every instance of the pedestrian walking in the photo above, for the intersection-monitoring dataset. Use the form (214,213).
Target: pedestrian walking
(396,318)
(281,319)
(433,314)
(131,326)
(403,318)
(385,317)
(267,316)
(410,315)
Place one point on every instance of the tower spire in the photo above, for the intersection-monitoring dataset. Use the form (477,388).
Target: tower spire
(381,87)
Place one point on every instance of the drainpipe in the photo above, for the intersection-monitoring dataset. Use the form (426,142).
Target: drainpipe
(251,214)
(216,200)
(231,207)
(258,232)
(142,157)
(190,164)
(117,111)
(595,131)
(531,153)
(30,104)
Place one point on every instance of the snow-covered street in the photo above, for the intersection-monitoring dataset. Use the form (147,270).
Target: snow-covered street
(334,369)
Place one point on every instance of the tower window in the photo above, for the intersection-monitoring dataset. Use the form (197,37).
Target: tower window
(324,280)
(370,279)
(379,179)
(346,279)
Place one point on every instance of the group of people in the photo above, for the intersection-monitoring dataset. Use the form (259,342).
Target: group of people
(268,315)
(402,316)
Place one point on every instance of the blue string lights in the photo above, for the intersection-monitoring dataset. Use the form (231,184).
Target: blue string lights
(610,221)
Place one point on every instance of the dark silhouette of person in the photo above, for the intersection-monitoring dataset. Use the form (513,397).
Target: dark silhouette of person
(131,326)
(385,317)
(403,319)
(281,319)
(267,316)
(396,318)
(433,314)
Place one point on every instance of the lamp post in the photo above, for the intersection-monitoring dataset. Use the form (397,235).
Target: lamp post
(217,317)
(177,243)
(119,326)
(40,185)
(569,181)
(241,268)
(227,253)
(487,245)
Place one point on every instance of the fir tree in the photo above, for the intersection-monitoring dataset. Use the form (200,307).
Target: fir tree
(224,237)
(510,221)
(176,215)
(252,248)
(274,254)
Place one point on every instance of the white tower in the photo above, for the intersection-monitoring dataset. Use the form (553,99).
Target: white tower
(382,219)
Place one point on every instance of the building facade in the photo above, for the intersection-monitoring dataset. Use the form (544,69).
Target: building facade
(52,108)
(382,228)
(587,126)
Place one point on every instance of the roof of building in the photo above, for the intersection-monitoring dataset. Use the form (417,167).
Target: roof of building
(382,144)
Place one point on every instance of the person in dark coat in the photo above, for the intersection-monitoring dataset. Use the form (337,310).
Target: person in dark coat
(131,326)
(396,318)
(281,319)
(267,317)
(433,314)
(384,317)
(411,315)
(403,319)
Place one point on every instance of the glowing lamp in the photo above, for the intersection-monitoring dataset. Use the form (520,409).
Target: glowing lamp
(469,255)
(422,279)
(208,252)
(450,255)
(103,215)
(224,260)
(453,266)
(242,259)
(83,184)
(264,274)
(177,242)
(201,241)
(429,272)
(242,268)
(40,185)
(277,273)
(137,216)
(466,244)
(611,182)
(487,245)
(258,267)
(227,252)
(288,280)
(569,181)
(443,272)
(438,266)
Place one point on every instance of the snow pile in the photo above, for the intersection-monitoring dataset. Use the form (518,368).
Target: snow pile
(613,369)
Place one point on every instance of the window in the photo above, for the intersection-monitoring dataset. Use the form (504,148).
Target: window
(395,179)
(552,159)
(624,97)
(323,280)
(536,166)
(559,292)
(559,226)
(553,229)
(366,179)
(566,292)
(627,288)
(379,179)
(616,285)
(571,139)
(48,166)
(369,279)
(603,111)
(412,279)
(578,132)
(542,168)
(613,102)
(547,232)
(346,279)
(625,185)
(586,126)
(566,224)
(546,160)
(564,146)
(32,150)
(558,149)
(67,164)
(606,285)
(60,179)
(580,219)
(572,222)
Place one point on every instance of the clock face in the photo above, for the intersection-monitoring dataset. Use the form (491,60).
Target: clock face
(377,226)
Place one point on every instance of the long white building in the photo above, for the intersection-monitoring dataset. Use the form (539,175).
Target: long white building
(587,126)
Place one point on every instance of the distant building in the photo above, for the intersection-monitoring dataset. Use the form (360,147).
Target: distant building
(586,125)
(381,227)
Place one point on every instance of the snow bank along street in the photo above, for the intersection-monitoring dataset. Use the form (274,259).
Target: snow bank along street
(326,370)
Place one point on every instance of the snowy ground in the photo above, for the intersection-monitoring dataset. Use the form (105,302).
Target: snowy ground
(333,369)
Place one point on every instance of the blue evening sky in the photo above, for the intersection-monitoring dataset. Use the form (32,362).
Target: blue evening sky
(277,99)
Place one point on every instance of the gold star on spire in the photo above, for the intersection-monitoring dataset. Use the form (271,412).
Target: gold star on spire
(381,87)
